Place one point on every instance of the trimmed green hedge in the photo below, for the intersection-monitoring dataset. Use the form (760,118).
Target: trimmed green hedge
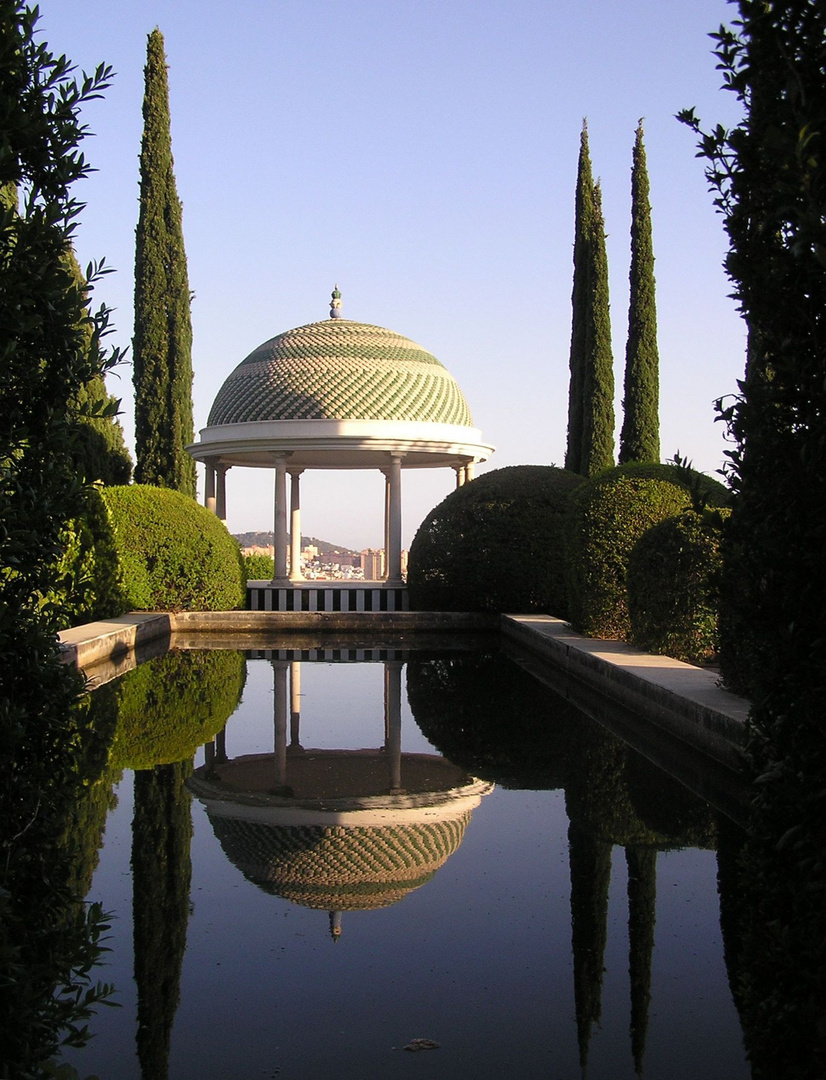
(173,553)
(495,544)
(171,705)
(673,587)
(259,567)
(608,515)
(87,583)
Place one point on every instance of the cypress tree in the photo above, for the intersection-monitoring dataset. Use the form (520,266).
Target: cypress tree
(598,371)
(591,393)
(583,215)
(640,435)
(162,345)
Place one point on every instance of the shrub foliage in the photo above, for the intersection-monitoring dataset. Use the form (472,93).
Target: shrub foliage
(608,515)
(173,553)
(259,567)
(674,587)
(48,941)
(87,582)
(495,544)
(769,178)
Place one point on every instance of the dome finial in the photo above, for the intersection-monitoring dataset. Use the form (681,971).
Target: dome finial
(335,304)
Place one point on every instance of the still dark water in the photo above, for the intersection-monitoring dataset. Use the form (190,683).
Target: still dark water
(319,888)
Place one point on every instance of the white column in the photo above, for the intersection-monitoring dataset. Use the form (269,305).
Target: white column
(386,544)
(209,486)
(221,494)
(470,471)
(393,720)
(394,539)
(280,521)
(295,525)
(460,475)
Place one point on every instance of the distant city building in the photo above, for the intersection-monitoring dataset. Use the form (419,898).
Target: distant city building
(372,564)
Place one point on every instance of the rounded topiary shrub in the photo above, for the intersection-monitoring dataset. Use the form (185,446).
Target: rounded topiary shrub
(495,544)
(703,489)
(173,553)
(673,586)
(259,567)
(86,580)
(608,515)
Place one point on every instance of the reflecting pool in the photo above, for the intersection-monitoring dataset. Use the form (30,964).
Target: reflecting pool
(363,863)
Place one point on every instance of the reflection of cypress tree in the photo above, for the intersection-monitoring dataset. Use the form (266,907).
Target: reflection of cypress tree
(161,872)
(774,934)
(642,913)
(590,861)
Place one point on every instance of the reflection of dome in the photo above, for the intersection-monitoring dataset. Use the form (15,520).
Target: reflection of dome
(337,868)
(340,370)
(343,779)
(341,841)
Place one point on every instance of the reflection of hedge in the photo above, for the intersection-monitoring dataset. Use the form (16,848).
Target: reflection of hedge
(619,797)
(673,583)
(495,544)
(171,705)
(492,719)
(173,553)
(608,515)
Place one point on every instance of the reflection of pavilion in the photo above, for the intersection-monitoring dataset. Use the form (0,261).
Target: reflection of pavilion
(336,830)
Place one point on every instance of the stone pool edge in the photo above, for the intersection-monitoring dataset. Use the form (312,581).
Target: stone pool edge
(684,700)
(106,639)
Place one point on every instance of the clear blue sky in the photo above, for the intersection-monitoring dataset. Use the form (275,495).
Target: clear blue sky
(422,155)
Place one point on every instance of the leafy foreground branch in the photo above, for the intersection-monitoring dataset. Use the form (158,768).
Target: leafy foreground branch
(48,939)
(768,175)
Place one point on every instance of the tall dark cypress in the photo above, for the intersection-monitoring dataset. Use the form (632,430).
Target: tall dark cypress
(598,371)
(642,914)
(161,878)
(640,435)
(162,345)
(583,215)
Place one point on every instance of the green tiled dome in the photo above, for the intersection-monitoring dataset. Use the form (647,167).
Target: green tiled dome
(340,370)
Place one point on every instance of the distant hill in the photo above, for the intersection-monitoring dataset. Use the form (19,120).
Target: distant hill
(263,539)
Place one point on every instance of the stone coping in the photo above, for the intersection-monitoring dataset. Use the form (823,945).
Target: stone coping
(110,639)
(684,700)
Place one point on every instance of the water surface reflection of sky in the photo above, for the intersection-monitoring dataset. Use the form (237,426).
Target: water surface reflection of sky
(478,958)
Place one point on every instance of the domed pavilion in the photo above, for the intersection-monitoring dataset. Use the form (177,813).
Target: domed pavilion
(336,394)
